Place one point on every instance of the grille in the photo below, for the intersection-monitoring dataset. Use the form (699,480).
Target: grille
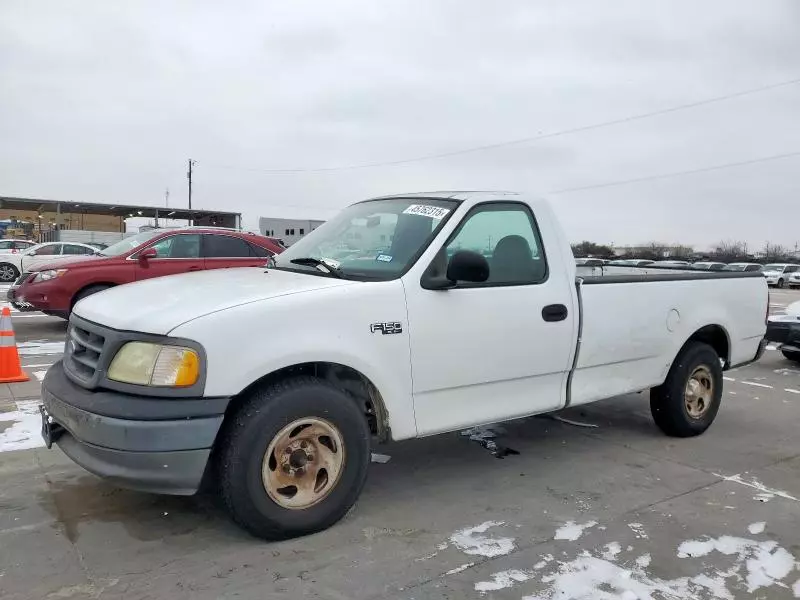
(84,351)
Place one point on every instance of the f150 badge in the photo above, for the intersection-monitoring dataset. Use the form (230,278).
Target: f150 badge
(386,328)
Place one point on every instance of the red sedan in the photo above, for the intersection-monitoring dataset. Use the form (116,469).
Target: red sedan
(55,289)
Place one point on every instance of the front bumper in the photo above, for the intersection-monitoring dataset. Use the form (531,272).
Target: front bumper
(784,331)
(159,445)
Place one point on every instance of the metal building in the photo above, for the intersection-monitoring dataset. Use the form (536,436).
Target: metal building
(287,230)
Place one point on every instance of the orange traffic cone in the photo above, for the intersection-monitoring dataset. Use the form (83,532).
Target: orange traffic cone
(10,367)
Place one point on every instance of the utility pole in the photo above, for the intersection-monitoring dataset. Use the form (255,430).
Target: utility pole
(189,175)
(166,197)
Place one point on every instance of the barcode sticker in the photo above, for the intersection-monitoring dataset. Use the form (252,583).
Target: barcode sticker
(423,210)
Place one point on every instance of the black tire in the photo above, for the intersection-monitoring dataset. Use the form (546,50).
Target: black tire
(668,402)
(8,273)
(793,355)
(780,284)
(92,289)
(247,435)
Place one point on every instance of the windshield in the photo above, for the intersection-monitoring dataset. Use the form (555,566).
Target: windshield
(773,268)
(129,243)
(375,240)
(734,268)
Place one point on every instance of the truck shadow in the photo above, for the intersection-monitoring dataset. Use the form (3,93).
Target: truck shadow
(450,468)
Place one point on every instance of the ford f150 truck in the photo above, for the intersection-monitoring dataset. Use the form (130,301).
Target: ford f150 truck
(404,316)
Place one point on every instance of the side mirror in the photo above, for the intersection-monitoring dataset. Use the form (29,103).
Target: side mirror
(464,265)
(147,254)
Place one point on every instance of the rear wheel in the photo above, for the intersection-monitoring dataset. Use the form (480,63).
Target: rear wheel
(293,458)
(8,272)
(793,355)
(687,402)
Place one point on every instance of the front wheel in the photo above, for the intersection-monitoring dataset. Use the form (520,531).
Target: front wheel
(687,402)
(780,284)
(793,355)
(8,272)
(293,458)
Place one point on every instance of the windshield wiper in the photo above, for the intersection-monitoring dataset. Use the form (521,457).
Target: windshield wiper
(310,261)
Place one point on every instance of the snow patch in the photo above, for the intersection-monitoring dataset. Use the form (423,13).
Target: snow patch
(766,562)
(643,561)
(460,568)
(502,580)
(638,530)
(39,375)
(572,531)
(25,429)
(755,484)
(611,551)
(756,528)
(470,541)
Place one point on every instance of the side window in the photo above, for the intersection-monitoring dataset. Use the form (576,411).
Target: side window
(49,250)
(225,246)
(7,245)
(178,246)
(791,269)
(75,249)
(507,236)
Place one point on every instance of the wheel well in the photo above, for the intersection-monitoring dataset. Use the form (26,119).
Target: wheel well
(349,380)
(716,337)
(86,287)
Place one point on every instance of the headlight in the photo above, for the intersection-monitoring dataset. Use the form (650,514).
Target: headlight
(143,363)
(48,275)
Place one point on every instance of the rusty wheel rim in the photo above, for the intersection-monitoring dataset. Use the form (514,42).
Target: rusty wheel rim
(303,463)
(699,392)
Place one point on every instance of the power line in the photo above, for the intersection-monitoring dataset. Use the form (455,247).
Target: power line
(561,132)
(730,165)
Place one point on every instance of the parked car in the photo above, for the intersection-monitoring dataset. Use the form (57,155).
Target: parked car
(13,265)
(14,246)
(275,383)
(672,264)
(589,262)
(632,262)
(746,267)
(777,274)
(709,266)
(54,288)
(794,280)
(785,330)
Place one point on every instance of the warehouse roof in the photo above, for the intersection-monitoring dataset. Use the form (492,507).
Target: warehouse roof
(118,210)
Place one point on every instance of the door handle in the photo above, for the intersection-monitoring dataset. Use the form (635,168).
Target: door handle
(554,312)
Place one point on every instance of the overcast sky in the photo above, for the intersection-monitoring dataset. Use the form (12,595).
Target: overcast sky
(104,101)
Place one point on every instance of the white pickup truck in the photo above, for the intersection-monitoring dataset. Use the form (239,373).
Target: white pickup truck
(403,316)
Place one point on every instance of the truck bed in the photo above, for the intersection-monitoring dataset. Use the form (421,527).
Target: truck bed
(631,331)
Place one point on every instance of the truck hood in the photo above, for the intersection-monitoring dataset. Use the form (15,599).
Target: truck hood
(160,304)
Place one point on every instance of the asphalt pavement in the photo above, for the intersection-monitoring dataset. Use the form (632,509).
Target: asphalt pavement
(599,505)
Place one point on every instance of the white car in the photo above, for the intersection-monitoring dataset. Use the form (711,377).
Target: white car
(778,274)
(746,267)
(279,380)
(794,280)
(708,266)
(13,265)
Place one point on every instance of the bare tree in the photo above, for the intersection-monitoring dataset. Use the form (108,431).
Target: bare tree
(775,252)
(730,251)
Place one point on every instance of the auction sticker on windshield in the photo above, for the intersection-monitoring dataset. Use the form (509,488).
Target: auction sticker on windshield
(434,212)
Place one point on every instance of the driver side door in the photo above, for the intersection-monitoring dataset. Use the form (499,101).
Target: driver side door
(496,350)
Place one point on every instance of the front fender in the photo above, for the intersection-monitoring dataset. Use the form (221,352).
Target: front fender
(247,342)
